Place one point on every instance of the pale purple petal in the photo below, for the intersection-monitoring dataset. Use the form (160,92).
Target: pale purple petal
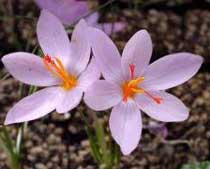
(138,52)
(68,11)
(119,26)
(171,70)
(29,68)
(106,54)
(52,37)
(126,126)
(35,106)
(157,128)
(110,28)
(70,99)
(102,95)
(92,19)
(80,48)
(90,75)
(170,110)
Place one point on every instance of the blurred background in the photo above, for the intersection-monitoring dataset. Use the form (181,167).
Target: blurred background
(60,141)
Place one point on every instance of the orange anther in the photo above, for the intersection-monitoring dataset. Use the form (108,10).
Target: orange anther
(57,69)
(132,87)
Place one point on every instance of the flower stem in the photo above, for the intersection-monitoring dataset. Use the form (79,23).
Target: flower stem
(105,152)
(6,143)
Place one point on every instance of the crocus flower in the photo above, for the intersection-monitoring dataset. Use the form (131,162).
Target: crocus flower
(63,70)
(108,28)
(69,11)
(130,84)
(156,128)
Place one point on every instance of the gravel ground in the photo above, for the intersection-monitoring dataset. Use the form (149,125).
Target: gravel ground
(59,141)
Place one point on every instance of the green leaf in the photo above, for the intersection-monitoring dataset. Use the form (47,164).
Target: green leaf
(201,165)
(100,135)
(93,144)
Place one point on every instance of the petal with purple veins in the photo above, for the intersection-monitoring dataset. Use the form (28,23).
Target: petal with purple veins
(137,52)
(79,49)
(52,37)
(171,109)
(69,99)
(106,54)
(126,126)
(102,95)
(29,68)
(34,106)
(171,70)
(90,75)
(68,11)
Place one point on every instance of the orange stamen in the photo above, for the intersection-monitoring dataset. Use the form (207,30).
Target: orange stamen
(56,67)
(132,87)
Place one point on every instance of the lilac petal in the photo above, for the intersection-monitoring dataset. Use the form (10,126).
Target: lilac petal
(170,110)
(119,26)
(157,128)
(106,54)
(110,28)
(126,126)
(92,19)
(80,48)
(52,37)
(90,75)
(138,52)
(28,68)
(171,70)
(102,95)
(35,106)
(70,99)
(68,11)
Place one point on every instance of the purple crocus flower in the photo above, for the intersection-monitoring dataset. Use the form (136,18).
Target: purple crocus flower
(108,28)
(63,70)
(69,11)
(130,84)
(157,128)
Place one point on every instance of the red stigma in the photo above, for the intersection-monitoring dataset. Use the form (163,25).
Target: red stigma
(158,100)
(132,70)
(48,59)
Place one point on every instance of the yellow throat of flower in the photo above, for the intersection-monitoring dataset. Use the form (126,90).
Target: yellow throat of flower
(55,66)
(132,87)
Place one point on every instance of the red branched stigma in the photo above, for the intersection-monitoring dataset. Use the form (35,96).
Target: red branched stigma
(55,66)
(48,59)
(131,88)
(158,100)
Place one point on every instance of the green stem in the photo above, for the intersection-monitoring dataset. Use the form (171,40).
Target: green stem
(19,138)
(4,76)
(7,145)
(94,148)
(104,151)
(14,152)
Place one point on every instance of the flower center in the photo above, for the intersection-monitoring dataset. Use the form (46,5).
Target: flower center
(131,88)
(55,66)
